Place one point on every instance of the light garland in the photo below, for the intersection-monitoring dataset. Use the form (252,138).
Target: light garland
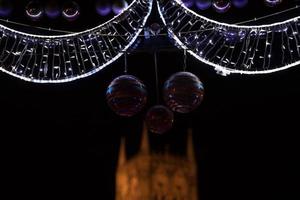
(228,48)
(63,58)
(233,48)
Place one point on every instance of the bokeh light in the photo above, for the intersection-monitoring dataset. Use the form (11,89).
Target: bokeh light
(103,7)
(240,3)
(188,3)
(203,4)
(52,9)
(118,6)
(6,8)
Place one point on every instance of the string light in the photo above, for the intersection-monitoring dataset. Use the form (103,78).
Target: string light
(228,48)
(63,58)
(233,48)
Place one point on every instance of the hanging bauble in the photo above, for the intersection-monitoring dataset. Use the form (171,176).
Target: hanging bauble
(155,28)
(126,95)
(103,7)
(52,9)
(5,8)
(203,4)
(34,10)
(240,3)
(272,3)
(183,92)
(159,119)
(188,3)
(71,11)
(118,6)
(221,6)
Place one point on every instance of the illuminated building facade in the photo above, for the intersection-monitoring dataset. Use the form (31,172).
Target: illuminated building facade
(153,176)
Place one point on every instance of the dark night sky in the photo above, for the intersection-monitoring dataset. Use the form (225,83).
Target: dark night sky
(62,140)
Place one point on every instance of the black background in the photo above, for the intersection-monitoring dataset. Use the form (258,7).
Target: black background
(61,140)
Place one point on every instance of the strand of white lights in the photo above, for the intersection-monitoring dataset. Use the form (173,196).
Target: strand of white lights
(233,48)
(63,58)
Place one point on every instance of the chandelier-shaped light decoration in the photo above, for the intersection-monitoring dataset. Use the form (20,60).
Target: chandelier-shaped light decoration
(233,48)
(55,59)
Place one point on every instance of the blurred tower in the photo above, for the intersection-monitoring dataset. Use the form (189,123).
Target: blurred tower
(152,176)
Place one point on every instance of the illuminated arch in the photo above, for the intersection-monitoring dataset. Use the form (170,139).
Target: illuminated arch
(63,58)
(233,48)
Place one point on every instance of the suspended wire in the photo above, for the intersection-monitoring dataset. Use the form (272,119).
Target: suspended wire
(156,77)
(126,63)
(184,60)
(268,16)
(36,27)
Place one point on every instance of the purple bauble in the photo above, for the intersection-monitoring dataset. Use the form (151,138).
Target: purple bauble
(52,9)
(221,6)
(126,95)
(6,8)
(240,3)
(118,6)
(103,7)
(159,119)
(272,3)
(183,92)
(203,4)
(71,11)
(188,3)
(34,10)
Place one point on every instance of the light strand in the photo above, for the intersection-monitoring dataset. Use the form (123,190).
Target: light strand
(233,48)
(63,58)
